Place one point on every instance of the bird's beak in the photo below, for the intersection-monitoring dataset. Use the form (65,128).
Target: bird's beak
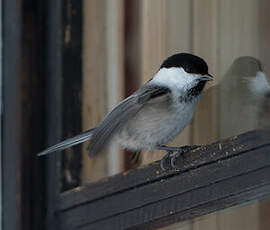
(206,77)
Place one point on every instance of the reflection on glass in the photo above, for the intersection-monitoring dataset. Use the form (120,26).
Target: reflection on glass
(252,216)
(243,95)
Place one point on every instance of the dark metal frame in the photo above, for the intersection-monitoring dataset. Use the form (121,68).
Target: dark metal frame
(63,96)
(23,108)
(11,116)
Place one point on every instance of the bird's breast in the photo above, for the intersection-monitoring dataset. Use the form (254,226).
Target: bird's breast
(155,125)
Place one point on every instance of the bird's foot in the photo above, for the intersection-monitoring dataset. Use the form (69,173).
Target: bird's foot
(164,159)
(178,150)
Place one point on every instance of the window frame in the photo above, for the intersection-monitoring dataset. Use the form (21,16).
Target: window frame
(23,191)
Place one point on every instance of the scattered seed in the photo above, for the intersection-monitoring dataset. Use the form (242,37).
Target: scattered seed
(219,146)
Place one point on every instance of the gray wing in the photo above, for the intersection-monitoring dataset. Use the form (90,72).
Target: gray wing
(122,113)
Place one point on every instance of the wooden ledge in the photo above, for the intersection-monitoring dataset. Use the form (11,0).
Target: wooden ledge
(216,176)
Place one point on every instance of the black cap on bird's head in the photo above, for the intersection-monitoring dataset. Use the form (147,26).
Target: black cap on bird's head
(189,62)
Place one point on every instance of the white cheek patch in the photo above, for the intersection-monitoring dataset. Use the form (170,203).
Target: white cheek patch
(175,78)
(259,84)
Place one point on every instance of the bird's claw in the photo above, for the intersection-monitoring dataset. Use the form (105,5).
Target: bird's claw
(179,151)
(163,160)
(173,159)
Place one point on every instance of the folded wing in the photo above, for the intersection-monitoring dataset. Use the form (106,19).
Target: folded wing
(119,116)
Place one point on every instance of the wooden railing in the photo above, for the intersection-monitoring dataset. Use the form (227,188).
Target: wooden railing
(213,177)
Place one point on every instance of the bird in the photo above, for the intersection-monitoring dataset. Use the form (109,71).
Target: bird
(243,97)
(154,114)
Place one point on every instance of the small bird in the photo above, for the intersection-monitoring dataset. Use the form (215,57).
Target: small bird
(243,97)
(153,115)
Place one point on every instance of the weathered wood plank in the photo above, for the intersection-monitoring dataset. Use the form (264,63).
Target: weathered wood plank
(114,73)
(197,202)
(94,92)
(151,173)
(178,185)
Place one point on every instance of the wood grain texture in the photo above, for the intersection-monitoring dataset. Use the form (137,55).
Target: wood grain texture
(132,60)
(205,44)
(152,173)
(211,165)
(142,219)
(114,73)
(178,27)
(94,96)
(239,31)
(200,170)
(153,37)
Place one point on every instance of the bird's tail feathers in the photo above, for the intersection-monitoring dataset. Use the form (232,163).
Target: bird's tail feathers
(85,136)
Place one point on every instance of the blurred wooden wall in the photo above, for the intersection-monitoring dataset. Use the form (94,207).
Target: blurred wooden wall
(126,41)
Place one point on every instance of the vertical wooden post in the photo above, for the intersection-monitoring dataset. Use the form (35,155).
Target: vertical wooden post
(94,96)
(132,59)
(205,45)
(102,78)
(153,48)
(114,72)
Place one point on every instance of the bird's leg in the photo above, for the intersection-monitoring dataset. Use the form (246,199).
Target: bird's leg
(179,151)
(163,160)
(135,157)
(184,149)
